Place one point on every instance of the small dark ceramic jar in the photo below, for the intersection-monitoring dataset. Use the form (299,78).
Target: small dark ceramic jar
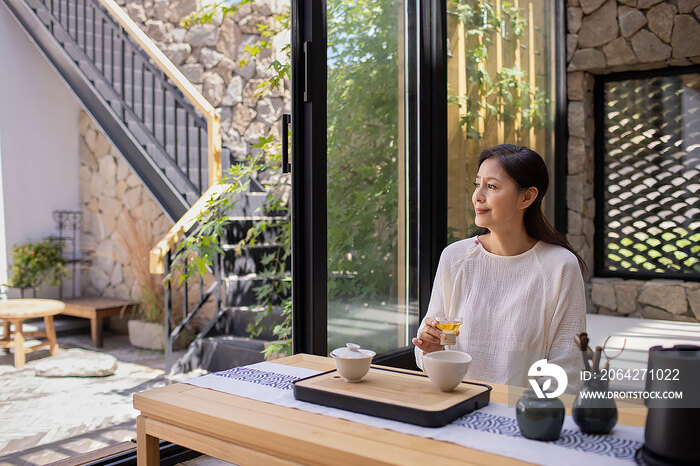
(594,415)
(539,418)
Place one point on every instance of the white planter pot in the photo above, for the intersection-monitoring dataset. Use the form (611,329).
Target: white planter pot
(147,335)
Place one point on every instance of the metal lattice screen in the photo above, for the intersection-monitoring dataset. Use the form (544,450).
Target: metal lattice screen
(651,221)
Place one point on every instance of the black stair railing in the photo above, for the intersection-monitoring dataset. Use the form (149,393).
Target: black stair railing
(160,262)
(189,312)
(184,301)
(175,127)
(162,117)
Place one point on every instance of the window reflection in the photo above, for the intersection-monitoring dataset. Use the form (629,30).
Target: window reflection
(369,300)
(500,90)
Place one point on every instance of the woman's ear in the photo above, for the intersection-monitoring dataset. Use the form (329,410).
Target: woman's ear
(528,197)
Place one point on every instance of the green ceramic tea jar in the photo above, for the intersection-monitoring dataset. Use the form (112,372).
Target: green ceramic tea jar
(594,414)
(539,418)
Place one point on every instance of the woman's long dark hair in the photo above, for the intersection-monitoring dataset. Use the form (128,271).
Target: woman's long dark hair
(527,169)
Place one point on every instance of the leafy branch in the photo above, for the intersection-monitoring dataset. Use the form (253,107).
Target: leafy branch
(196,252)
(504,95)
(207,13)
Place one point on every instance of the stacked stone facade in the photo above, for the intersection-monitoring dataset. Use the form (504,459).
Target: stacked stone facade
(209,54)
(613,36)
(109,192)
(653,299)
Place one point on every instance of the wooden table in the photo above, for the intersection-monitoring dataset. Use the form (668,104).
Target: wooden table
(246,431)
(96,308)
(15,312)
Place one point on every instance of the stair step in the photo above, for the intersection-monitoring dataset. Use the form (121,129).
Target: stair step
(240,291)
(61,36)
(179,180)
(249,259)
(105,90)
(235,321)
(89,71)
(44,16)
(36,5)
(248,205)
(238,230)
(236,247)
(75,53)
(224,352)
(142,136)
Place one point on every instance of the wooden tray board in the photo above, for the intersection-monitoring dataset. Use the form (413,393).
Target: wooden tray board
(392,394)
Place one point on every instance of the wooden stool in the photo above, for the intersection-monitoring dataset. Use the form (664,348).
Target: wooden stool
(96,308)
(15,312)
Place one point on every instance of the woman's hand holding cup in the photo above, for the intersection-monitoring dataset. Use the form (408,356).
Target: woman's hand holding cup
(429,337)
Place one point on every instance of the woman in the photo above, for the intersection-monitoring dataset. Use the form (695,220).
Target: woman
(517,285)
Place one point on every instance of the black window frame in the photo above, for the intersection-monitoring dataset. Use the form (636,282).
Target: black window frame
(599,171)
(309,296)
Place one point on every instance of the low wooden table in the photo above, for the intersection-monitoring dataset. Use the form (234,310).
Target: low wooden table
(246,431)
(96,308)
(15,312)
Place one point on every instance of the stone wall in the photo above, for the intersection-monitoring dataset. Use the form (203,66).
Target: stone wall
(612,36)
(208,56)
(109,193)
(606,36)
(653,299)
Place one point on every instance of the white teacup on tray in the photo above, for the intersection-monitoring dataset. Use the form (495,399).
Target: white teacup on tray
(446,369)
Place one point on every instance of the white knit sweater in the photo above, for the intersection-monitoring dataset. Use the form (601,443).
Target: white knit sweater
(515,309)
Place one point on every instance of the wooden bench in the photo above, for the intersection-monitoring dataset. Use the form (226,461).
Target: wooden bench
(97,308)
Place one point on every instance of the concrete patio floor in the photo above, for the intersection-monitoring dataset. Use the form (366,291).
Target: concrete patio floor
(46,419)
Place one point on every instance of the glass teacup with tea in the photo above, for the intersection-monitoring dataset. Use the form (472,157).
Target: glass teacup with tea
(448,327)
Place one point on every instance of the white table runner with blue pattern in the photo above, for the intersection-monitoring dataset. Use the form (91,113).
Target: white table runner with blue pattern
(492,428)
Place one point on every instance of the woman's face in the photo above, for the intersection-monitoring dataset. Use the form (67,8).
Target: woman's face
(497,201)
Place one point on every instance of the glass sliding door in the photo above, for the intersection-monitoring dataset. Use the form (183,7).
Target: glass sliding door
(392,102)
(371,181)
(501,88)
(355,176)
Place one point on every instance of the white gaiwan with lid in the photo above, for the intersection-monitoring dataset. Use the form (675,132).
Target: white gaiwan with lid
(352,362)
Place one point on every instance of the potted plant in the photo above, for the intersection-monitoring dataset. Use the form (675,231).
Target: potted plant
(147,328)
(37,262)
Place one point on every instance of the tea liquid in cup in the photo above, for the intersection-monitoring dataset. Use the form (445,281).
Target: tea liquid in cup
(448,327)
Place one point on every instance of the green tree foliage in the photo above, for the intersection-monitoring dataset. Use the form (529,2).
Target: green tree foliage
(362,179)
(363,148)
(197,251)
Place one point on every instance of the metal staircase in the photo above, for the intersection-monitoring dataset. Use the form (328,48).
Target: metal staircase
(170,136)
(225,341)
(143,110)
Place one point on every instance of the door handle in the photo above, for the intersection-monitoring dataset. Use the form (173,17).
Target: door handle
(307,71)
(286,120)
